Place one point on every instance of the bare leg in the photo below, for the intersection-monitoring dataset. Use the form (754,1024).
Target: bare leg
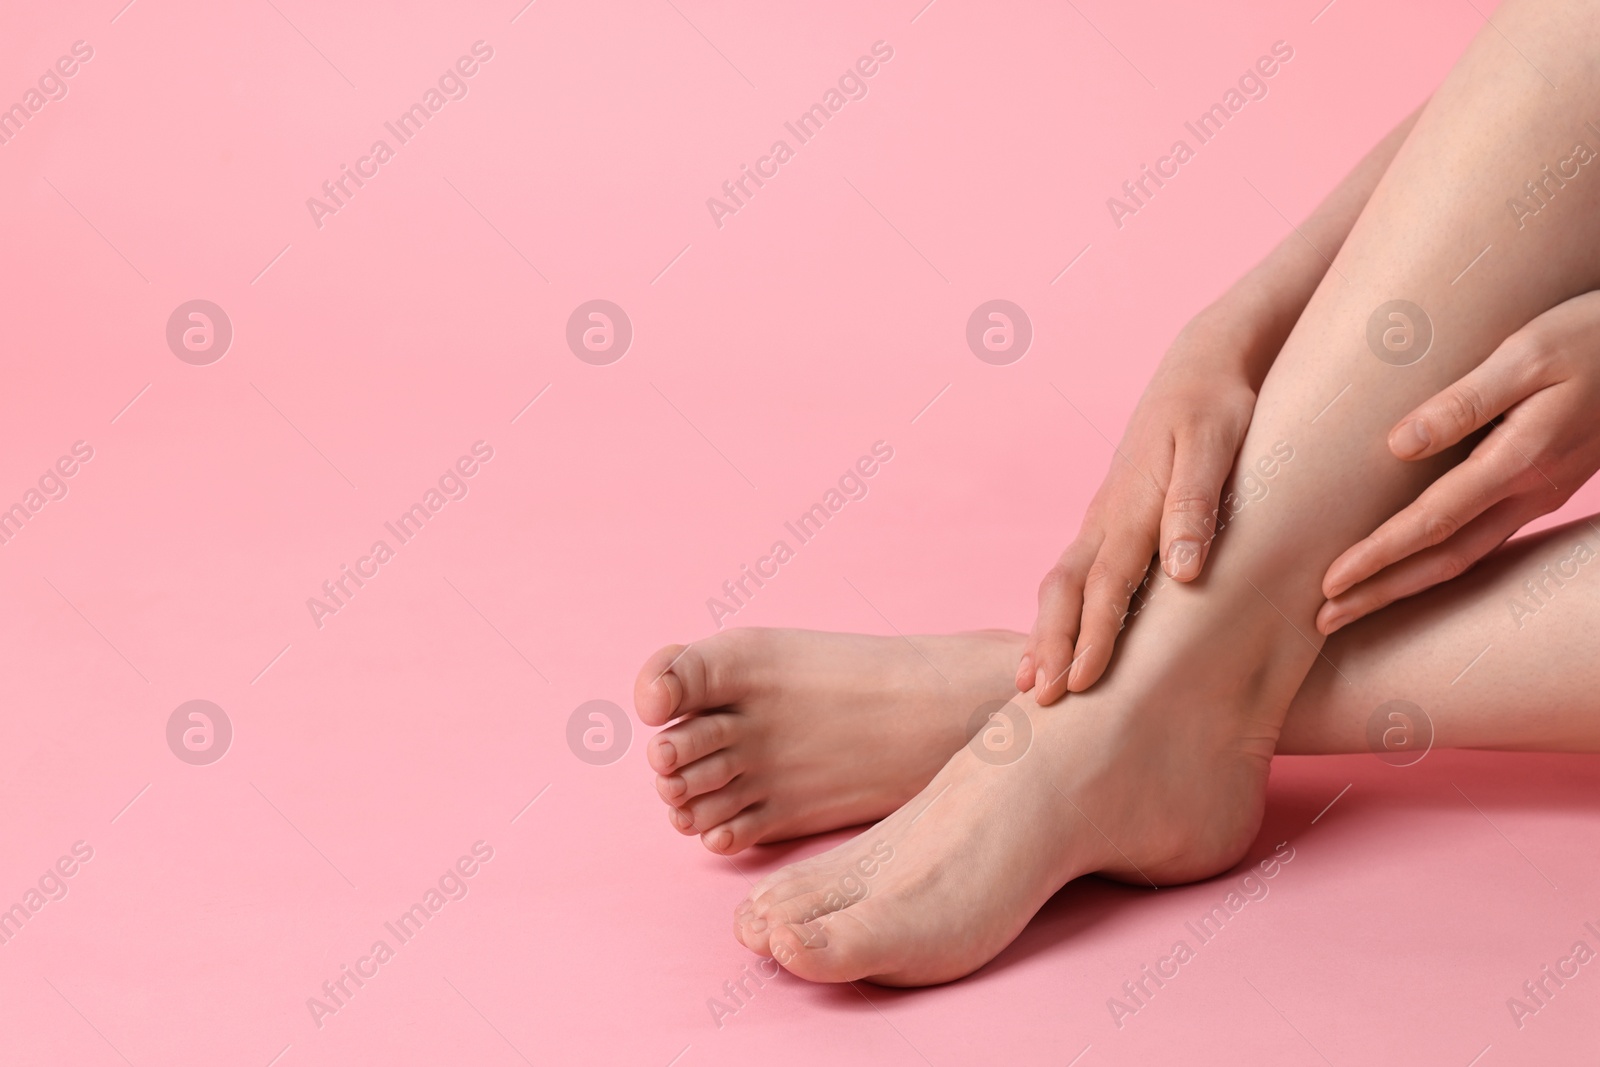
(1502,657)
(1159,773)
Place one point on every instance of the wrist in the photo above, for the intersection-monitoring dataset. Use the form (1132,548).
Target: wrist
(1232,334)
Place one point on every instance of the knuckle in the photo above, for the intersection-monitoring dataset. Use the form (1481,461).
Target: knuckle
(1535,351)
(1187,501)
(1056,580)
(715,736)
(1452,565)
(1439,527)
(1109,588)
(1462,405)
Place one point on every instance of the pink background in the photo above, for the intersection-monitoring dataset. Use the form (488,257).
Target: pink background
(370,754)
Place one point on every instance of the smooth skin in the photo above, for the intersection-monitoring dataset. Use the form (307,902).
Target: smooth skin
(1545,380)
(821,731)
(1158,774)
(1165,485)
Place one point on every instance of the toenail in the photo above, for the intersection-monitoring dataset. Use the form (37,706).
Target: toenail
(756,926)
(682,819)
(674,786)
(721,839)
(668,752)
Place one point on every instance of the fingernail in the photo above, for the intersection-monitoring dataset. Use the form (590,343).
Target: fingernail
(1411,439)
(1183,560)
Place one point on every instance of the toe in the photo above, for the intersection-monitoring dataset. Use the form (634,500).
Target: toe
(698,778)
(680,679)
(718,806)
(840,947)
(738,833)
(808,894)
(698,737)
(657,691)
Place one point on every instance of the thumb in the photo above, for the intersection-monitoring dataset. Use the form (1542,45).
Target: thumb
(1200,464)
(1487,390)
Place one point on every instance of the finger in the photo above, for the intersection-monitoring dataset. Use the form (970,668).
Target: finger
(1428,568)
(1114,577)
(1055,629)
(1200,465)
(1511,373)
(1494,471)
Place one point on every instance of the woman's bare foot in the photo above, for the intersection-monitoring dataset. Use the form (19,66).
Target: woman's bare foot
(793,732)
(1152,793)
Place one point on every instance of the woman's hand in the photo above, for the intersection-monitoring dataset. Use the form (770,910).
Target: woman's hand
(1181,443)
(1162,490)
(1545,379)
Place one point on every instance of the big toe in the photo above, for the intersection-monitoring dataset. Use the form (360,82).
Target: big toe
(680,679)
